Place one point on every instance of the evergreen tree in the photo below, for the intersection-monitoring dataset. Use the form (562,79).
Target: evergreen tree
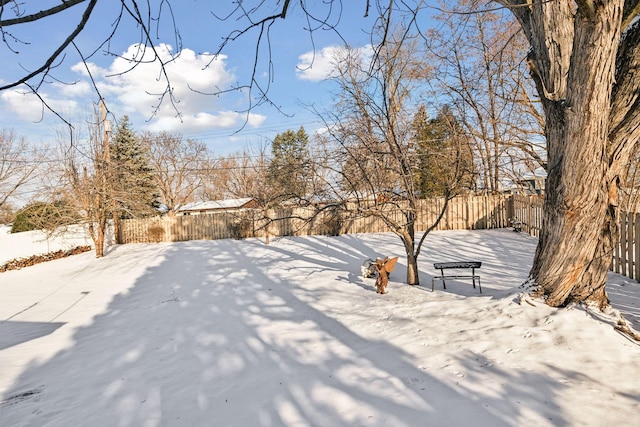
(134,190)
(443,154)
(290,167)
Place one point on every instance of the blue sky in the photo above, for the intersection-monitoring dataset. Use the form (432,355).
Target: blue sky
(214,120)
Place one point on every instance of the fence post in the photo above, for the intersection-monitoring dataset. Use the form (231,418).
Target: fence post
(629,248)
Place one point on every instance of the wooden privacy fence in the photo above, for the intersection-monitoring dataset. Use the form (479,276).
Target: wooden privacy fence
(463,213)
(528,210)
(626,251)
(625,259)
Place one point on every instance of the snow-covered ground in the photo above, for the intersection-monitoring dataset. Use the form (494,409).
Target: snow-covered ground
(239,333)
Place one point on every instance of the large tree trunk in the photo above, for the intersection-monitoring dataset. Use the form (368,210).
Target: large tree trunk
(574,249)
(573,61)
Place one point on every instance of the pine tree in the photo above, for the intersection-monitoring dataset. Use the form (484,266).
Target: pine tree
(289,170)
(444,156)
(135,192)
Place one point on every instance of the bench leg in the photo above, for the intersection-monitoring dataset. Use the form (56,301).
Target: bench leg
(433,281)
(444,284)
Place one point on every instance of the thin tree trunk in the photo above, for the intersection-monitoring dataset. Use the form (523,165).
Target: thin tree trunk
(408,239)
(99,242)
(413,277)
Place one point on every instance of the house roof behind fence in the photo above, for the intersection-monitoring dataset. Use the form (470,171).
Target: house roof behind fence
(215,205)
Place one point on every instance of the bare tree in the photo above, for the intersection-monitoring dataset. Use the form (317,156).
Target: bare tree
(481,74)
(216,183)
(373,128)
(180,166)
(86,175)
(243,174)
(19,163)
(7,213)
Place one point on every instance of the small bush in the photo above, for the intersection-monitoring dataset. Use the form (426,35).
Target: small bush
(330,224)
(22,222)
(44,216)
(155,233)
(242,228)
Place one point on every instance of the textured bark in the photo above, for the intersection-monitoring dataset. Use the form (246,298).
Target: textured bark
(413,277)
(99,242)
(574,253)
(583,71)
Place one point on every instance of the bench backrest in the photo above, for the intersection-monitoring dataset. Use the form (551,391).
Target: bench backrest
(460,264)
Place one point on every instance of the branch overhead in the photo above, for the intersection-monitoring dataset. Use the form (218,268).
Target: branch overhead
(44,68)
(37,16)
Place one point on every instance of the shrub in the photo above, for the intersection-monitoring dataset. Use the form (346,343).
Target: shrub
(43,216)
(330,224)
(155,233)
(241,228)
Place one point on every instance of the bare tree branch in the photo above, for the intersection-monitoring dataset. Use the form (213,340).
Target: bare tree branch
(48,63)
(36,16)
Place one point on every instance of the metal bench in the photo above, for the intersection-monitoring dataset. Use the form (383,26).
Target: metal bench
(442,266)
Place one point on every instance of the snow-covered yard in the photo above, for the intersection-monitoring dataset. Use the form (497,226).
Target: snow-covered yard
(239,333)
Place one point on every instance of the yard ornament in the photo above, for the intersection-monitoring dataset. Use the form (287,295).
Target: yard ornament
(384,267)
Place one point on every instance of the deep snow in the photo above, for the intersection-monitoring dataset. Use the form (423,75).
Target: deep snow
(240,333)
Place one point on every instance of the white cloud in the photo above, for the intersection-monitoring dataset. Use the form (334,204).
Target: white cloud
(321,65)
(255,119)
(204,121)
(29,107)
(137,82)
(76,89)
(134,84)
(316,66)
(81,68)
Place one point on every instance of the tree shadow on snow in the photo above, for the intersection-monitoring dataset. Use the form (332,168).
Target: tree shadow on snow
(239,333)
(15,332)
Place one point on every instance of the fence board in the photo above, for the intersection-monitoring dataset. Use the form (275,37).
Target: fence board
(630,243)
